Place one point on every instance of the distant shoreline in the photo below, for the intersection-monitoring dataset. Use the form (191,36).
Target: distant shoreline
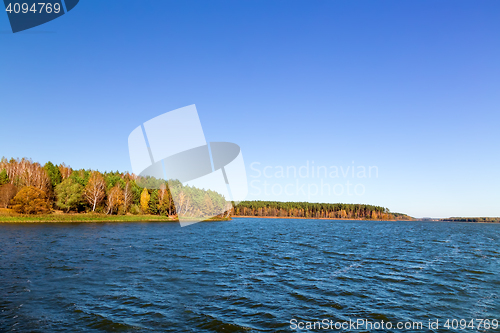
(350,219)
(472,219)
(312,218)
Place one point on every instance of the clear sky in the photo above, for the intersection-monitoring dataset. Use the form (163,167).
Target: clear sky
(409,87)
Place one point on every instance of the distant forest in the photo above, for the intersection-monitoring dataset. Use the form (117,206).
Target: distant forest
(315,210)
(26,187)
(473,219)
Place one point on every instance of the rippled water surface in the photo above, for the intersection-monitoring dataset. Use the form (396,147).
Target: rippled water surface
(244,275)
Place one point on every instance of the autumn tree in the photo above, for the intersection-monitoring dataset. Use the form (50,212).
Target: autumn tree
(182,205)
(164,200)
(145,200)
(69,195)
(31,200)
(7,192)
(94,192)
(25,172)
(114,199)
(64,170)
(127,196)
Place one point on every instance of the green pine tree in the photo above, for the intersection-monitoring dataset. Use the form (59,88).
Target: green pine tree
(53,173)
(4,178)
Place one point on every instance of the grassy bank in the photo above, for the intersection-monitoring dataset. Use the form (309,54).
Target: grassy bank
(7,216)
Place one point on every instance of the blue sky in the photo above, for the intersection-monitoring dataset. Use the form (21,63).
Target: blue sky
(409,87)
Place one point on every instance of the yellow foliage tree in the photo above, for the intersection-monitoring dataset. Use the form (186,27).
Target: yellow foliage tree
(164,200)
(145,200)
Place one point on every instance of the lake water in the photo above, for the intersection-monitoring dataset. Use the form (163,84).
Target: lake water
(245,275)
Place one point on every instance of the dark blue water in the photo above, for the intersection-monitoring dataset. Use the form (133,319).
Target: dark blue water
(245,275)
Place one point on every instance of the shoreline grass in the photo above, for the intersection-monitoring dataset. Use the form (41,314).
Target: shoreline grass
(82,218)
(7,216)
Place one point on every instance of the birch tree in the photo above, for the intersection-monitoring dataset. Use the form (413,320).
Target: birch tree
(114,200)
(127,195)
(95,190)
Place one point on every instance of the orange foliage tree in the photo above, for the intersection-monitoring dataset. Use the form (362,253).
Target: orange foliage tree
(31,200)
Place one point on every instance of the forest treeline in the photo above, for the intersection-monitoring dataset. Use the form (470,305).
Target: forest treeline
(315,210)
(27,187)
(473,219)
(30,188)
